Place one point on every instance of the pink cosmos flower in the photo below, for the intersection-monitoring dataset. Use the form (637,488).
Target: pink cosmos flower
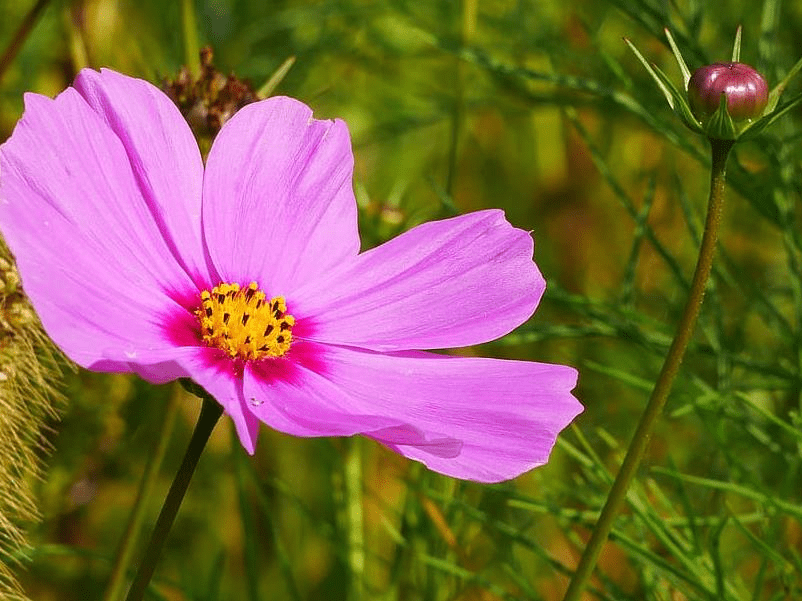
(245,275)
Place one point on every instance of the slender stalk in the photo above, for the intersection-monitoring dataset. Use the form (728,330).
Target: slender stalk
(247,516)
(355,518)
(131,535)
(210,413)
(74,24)
(278,76)
(25,28)
(469,12)
(640,440)
(189,23)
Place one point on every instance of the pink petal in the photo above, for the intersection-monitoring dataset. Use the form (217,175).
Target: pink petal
(289,395)
(408,436)
(278,201)
(163,155)
(472,418)
(216,373)
(443,284)
(157,367)
(91,257)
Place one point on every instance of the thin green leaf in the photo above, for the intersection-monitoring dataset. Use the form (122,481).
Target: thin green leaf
(669,96)
(757,496)
(276,78)
(769,119)
(736,47)
(774,95)
(686,74)
(680,103)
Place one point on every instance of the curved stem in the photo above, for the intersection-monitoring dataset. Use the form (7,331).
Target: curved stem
(210,413)
(640,440)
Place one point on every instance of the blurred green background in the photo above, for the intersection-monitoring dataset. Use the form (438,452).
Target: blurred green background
(539,108)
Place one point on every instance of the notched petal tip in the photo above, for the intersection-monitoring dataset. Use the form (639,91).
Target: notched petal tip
(292,187)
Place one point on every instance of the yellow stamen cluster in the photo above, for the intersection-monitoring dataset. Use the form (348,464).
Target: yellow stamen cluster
(243,323)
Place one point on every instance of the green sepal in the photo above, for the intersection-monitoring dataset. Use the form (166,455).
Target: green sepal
(758,126)
(720,126)
(649,68)
(680,102)
(774,95)
(686,73)
(736,47)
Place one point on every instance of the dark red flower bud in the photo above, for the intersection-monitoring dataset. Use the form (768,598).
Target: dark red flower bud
(746,90)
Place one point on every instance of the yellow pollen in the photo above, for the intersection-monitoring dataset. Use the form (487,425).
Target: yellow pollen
(243,323)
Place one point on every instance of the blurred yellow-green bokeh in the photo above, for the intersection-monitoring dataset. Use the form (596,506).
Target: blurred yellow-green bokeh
(539,108)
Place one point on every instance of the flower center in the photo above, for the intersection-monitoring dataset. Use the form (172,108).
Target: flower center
(243,323)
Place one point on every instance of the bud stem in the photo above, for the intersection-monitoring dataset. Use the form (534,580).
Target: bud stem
(640,440)
(211,411)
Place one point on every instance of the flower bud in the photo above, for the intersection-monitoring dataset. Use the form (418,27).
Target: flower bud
(746,91)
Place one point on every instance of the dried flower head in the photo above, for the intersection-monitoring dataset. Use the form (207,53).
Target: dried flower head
(209,100)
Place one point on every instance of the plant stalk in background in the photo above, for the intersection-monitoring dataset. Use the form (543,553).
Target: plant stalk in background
(130,538)
(640,440)
(21,34)
(726,102)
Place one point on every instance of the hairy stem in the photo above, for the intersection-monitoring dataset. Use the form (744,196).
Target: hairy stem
(640,440)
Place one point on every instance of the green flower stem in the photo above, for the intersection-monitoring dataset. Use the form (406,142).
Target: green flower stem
(210,413)
(123,558)
(640,440)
